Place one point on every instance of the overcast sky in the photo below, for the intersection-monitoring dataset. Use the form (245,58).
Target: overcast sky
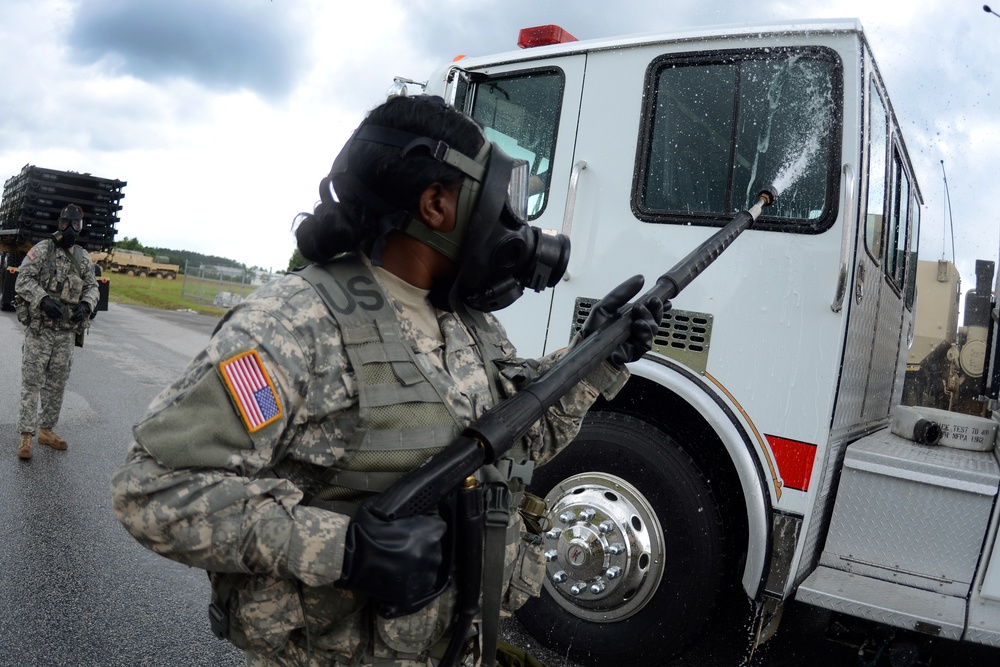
(223,115)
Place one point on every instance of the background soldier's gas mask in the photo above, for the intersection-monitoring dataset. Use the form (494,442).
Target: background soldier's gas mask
(69,226)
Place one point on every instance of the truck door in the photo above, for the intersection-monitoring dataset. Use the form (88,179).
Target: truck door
(881,296)
(530,111)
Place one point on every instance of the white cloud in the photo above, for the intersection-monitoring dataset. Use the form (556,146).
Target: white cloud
(223,139)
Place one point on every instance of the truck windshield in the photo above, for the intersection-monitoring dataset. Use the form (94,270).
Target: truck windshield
(520,114)
(719,127)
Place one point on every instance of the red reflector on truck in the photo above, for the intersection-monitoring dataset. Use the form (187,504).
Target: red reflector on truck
(795,461)
(543,35)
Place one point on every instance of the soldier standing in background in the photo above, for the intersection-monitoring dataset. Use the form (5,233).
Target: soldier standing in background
(56,293)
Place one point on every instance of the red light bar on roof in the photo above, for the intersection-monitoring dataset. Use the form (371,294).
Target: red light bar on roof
(543,35)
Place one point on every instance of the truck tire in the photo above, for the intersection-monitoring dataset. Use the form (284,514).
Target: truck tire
(130,272)
(158,275)
(142,274)
(171,276)
(639,567)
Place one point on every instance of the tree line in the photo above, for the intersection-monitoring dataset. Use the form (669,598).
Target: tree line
(185,257)
(182,257)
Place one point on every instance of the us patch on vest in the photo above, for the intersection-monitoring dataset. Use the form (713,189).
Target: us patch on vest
(252,389)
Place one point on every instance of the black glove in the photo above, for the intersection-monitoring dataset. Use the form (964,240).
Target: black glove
(52,308)
(398,562)
(81,311)
(646,314)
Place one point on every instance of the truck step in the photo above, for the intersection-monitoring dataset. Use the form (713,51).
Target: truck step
(884,602)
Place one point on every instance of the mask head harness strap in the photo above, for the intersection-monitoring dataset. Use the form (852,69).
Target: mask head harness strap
(474,170)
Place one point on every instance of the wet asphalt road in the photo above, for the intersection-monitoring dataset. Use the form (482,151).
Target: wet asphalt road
(77,590)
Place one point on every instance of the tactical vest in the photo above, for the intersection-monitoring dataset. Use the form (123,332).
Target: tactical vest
(68,289)
(403,417)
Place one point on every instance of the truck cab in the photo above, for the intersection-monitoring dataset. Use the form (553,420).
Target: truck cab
(715,476)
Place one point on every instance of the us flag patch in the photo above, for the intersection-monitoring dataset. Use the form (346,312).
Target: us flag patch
(251,388)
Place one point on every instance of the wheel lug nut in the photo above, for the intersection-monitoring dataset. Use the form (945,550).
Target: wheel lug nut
(551,555)
(606,526)
(587,514)
(578,588)
(559,577)
(613,572)
(597,587)
(616,549)
(553,534)
(567,517)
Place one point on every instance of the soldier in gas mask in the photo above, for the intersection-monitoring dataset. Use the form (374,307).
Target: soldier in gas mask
(327,385)
(55,295)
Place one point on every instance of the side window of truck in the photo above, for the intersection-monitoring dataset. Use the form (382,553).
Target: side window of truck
(521,114)
(912,244)
(718,127)
(895,258)
(878,143)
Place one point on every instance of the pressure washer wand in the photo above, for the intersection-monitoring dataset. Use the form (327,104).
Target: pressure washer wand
(489,437)
(680,276)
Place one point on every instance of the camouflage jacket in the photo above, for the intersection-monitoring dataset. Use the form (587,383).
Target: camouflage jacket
(188,489)
(48,270)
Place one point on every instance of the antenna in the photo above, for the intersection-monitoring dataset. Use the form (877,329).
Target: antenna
(986,8)
(951,219)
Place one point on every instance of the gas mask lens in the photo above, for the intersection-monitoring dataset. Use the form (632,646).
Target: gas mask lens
(517,191)
(77,224)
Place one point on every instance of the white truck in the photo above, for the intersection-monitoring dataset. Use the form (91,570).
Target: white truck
(751,451)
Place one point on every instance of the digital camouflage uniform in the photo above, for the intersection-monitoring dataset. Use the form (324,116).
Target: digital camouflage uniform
(191,488)
(48,270)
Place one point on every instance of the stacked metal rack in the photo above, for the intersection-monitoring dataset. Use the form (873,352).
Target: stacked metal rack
(33,199)
(29,213)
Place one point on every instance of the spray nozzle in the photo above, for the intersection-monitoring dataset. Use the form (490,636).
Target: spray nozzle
(767,195)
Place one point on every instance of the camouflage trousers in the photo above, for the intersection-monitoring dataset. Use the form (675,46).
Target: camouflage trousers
(294,656)
(45,362)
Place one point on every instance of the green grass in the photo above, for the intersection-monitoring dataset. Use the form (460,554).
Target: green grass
(166,294)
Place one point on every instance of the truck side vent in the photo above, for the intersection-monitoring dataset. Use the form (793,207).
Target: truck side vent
(684,335)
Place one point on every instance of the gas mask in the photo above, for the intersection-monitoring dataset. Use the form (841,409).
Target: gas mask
(496,253)
(68,230)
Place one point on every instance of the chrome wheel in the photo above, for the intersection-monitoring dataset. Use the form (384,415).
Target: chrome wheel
(604,554)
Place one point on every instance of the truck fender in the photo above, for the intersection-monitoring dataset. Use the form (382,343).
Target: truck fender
(741,449)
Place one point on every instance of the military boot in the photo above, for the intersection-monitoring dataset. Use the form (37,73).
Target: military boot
(24,449)
(47,437)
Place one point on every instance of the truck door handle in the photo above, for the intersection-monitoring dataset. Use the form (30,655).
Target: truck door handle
(859,285)
(574,180)
(845,239)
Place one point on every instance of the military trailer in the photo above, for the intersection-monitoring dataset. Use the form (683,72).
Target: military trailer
(945,363)
(133,263)
(29,213)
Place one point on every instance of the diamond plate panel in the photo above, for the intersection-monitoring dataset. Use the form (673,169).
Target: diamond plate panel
(858,347)
(912,514)
(984,622)
(884,602)
(885,354)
